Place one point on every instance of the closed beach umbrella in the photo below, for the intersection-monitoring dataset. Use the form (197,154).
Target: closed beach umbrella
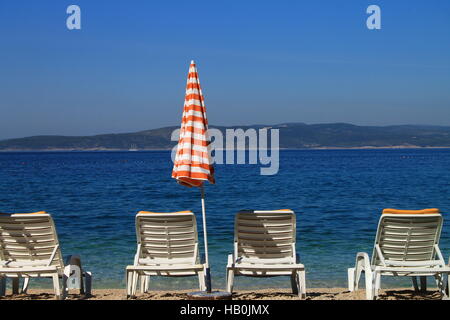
(192,165)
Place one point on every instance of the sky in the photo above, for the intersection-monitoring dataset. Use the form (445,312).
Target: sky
(259,62)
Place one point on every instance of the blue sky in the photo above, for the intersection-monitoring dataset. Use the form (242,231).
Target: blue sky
(259,62)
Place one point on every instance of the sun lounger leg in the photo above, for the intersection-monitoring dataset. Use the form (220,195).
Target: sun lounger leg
(230,273)
(415,284)
(147,284)
(423,284)
(143,283)
(65,289)
(129,280)
(447,290)
(441,282)
(230,280)
(135,283)
(437,278)
(2,286)
(26,282)
(142,279)
(370,284)
(363,264)
(302,281)
(56,287)
(359,267)
(201,281)
(351,279)
(444,286)
(377,284)
(87,283)
(15,285)
(295,283)
(358,272)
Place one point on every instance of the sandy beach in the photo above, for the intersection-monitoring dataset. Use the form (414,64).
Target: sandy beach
(265,294)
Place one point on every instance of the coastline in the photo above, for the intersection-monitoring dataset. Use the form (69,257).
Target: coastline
(264,294)
(169,149)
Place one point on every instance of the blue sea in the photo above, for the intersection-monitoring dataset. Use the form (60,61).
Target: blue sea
(337,195)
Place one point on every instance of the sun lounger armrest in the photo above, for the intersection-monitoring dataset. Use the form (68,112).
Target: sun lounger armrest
(363,255)
(52,256)
(231,260)
(136,256)
(380,255)
(439,254)
(363,259)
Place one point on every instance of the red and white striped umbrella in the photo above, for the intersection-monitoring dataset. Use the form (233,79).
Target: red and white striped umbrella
(192,165)
(192,161)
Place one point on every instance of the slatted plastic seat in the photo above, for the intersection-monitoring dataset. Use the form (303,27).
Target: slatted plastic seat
(29,248)
(406,244)
(264,246)
(167,246)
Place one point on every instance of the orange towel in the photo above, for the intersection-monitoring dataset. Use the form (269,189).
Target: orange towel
(150,212)
(38,212)
(423,211)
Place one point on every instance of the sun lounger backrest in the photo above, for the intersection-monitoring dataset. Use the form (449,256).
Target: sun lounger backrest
(167,237)
(29,239)
(407,237)
(265,235)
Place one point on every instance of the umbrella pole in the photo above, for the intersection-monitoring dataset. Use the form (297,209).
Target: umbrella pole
(208,294)
(205,239)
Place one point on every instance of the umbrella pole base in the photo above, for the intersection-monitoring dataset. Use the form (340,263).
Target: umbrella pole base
(213,295)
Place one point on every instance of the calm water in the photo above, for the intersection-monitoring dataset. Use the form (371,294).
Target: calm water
(337,194)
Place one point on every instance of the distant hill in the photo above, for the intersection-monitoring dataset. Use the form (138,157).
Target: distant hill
(292,136)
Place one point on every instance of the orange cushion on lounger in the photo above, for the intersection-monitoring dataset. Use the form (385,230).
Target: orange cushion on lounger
(150,212)
(38,212)
(423,211)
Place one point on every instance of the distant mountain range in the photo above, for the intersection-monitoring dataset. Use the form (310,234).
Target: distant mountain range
(292,136)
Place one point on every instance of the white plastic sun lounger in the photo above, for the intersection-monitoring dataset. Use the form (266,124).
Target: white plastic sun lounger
(167,246)
(406,244)
(29,248)
(264,246)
